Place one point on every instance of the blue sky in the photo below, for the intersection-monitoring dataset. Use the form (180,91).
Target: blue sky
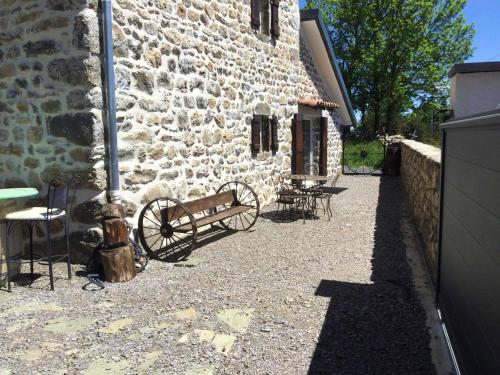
(485,15)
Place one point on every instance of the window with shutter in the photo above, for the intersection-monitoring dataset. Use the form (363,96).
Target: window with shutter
(323,147)
(297,145)
(266,134)
(255,14)
(275,24)
(264,17)
(256,129)
(274,134)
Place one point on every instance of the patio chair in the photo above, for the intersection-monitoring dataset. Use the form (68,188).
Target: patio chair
(312,188)
(287,194)
(325,196)
(58,201)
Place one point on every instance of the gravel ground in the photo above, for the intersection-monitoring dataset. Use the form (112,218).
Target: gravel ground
(286,298)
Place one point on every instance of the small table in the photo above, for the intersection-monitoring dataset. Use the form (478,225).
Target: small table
(9,199)
(306,177)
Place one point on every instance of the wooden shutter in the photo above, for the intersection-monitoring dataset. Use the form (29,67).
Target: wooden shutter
(256,127)
(323,147)
(274,134)
(275,23)
(297,145)
(255,14)
(266,134)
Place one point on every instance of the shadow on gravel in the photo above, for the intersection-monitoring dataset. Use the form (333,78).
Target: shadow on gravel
(377,328)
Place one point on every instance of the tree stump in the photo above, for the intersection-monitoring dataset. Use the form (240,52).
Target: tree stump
(118,257)
(115,232)
(112,211)
(118,264)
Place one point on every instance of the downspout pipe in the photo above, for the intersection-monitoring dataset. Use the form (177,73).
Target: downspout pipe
(114,172)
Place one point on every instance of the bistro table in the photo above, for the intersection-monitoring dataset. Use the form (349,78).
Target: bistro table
(312,193)
(307,177)
(9,200)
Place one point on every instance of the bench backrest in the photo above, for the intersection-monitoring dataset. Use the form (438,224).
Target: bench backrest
(202,204)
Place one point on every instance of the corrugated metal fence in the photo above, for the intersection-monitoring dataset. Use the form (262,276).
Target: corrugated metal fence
(469,251)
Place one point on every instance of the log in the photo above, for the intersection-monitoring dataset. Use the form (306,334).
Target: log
(112,211)
(115,232)
(118,264)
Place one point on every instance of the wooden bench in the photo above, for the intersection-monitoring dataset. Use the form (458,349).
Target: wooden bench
(169,228)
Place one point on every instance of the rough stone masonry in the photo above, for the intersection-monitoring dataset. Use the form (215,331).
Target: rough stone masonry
(189,76)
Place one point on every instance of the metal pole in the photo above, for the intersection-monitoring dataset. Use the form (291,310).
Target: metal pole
(114,172)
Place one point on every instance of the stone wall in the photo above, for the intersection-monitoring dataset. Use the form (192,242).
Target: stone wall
(51,101)
(189,76)
(420,172)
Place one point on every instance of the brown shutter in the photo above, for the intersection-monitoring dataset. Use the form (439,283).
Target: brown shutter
(255,14)
(323,147)
(274,134)
(297,145)
(256,126)
(266,134)
(275,23)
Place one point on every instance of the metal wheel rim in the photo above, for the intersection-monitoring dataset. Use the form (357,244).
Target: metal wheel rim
(245,195)
(158,234)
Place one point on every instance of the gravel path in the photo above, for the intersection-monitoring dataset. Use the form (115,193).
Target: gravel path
(287,298)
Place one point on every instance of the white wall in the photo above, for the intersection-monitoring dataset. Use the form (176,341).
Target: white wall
(474,93)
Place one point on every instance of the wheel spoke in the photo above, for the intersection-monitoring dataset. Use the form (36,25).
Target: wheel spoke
(249,223)
(157,218)
(241,220)
(229,222)
(154,243)
(175,210)
(143,227)
(152,235)
(154,222)
(249,193)
(177,245)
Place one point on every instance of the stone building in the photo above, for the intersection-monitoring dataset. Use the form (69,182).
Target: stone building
(192,76)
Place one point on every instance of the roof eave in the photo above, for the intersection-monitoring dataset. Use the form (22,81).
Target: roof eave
(313,15)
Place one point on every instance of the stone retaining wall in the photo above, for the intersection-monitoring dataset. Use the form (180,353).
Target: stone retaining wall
(420,172)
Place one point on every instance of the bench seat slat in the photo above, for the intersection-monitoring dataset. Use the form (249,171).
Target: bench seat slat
(214,217)
(202,204)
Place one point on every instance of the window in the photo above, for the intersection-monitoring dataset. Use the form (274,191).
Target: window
(265,17)
(309,144)
(312,143)
(264,134)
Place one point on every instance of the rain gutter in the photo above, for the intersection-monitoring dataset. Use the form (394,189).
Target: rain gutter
(114,172)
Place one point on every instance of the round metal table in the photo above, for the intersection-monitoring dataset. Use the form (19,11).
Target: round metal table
(9,200)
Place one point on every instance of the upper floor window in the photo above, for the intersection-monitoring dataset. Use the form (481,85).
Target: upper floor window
(265,17)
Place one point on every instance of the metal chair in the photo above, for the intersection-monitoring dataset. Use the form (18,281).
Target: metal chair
(311,187)
(287,194)
(58,202)
(326,195)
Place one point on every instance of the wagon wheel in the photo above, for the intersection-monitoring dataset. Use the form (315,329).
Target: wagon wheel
(167,229)
(244,195)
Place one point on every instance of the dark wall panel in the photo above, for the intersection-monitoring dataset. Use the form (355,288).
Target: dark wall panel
(475,141)
(469,280)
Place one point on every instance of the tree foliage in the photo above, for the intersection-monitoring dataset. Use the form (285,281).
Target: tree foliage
(395,54)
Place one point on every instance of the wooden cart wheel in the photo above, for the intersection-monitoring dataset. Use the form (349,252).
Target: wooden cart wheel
(167,229)
(244,196)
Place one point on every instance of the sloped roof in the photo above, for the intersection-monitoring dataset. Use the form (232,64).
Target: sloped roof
(317,38)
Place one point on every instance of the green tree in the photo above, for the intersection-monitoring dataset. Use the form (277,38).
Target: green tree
(395,54)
